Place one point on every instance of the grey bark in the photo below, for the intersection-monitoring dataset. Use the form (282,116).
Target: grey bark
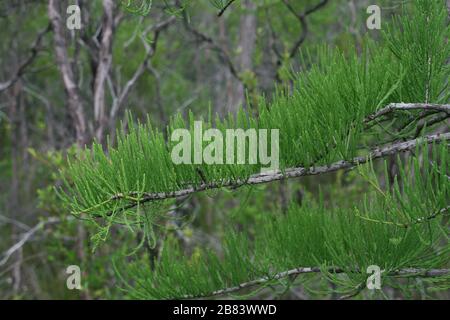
(103,67)
(304,270)
(75,104)
(247,42)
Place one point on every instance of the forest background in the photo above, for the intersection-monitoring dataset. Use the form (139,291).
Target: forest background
(62,88)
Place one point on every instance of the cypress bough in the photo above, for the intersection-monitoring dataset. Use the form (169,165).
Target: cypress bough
(306,270)
(337,110)
(403,230)
(288,173)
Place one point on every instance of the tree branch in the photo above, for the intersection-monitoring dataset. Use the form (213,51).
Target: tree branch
(25,237)
(408,107)
(70,85)
(21,69)
(417,221)
(104,64)
(302,19)
(223,55)
(417,272)
(150,52)
(221,12)
(260,178)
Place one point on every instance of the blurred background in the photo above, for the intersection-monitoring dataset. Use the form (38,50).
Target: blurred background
(60,89)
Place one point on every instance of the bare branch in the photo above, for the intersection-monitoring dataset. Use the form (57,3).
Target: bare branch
(150,52)
(302,19)
(104,64)
(221,12)
(14,222)
(64,65)
(25,237)
(408,107)
(21,69)
(223,55)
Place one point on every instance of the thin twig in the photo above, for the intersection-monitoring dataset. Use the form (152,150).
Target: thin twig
(14,222)
(357,291)
(21,69)
(25,237)
(302,19)
(408,107)
(440,212)
(223,55)
(221,12)
(150,52)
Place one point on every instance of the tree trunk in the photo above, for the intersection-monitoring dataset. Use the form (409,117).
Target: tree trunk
(247,41)
(104,64)
(13,204)
(75,104)
(70,85)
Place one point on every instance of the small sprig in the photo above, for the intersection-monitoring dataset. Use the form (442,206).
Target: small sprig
(143,9)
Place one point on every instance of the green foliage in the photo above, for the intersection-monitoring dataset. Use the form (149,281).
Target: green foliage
(385,230)
(424,65)
(318,124)
(219,4)
(141,161)
(142,9)
(60,246)
(320,121)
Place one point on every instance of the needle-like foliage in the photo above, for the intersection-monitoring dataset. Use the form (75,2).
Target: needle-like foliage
(323,120)
(393,227)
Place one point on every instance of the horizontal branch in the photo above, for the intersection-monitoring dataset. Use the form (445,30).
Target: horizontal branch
(289,173)
(408,107)
(416,272)
(25,237)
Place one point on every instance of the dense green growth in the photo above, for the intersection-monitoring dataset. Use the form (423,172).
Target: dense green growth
(396,229)
(320,121)
(318,124)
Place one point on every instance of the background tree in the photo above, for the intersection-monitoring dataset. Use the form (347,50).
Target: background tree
(60,89)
